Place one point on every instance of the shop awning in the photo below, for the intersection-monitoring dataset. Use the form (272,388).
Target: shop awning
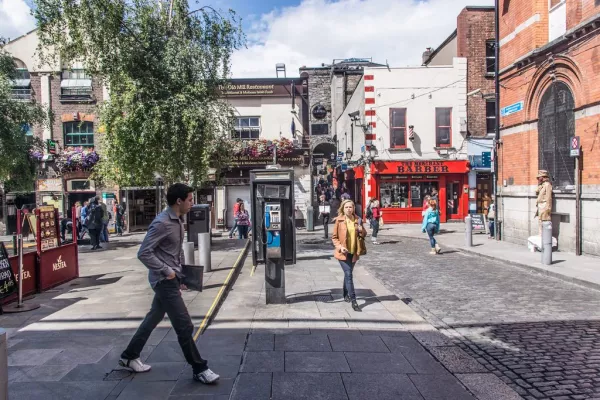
(76,83)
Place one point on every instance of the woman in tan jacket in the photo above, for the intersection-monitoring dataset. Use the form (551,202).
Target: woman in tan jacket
(346,231)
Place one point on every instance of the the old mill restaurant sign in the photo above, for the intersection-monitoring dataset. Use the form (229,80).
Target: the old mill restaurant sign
(247,90)
(284,160)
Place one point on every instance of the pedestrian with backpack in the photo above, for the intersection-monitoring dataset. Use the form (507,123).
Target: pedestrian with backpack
(369,213)
(94,222)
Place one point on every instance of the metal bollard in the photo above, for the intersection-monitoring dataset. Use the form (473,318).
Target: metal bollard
(188,253)
(15,250)
(3,366)
(468,232)
(204,251)
(310,219)
(547,243)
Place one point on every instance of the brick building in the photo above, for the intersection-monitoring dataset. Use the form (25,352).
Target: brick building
(71,97)
(549,66)
(474,40)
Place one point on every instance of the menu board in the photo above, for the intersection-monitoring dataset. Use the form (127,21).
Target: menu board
(48,228)
(7,278)
(478,222)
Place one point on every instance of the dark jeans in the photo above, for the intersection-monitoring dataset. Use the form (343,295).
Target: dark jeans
(326,225)
(431,232)
(348,267)
(104,232)
(491,226)
(243,231)
(95,236)
(167,298)
(375,225)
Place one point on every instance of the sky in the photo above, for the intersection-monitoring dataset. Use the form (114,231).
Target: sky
(310,32)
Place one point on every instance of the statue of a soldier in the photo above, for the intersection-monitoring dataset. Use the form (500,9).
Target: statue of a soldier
(544,198)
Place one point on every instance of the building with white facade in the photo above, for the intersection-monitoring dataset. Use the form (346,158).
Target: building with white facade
(270,119)
(415,118)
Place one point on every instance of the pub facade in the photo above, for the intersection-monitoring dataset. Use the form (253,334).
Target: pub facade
(405,130)
(269,130)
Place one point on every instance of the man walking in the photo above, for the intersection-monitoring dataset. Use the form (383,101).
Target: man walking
(162,253)
(94,222)
(105,219)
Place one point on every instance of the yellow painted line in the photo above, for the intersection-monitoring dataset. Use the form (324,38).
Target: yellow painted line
(253,270)
(217,300)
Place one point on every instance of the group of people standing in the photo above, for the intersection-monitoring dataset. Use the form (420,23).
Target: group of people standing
(93,217)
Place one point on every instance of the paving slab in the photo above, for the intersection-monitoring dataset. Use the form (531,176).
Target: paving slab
(440,387)
(293,386)
(252,386)
(488,387)
(187,387)
(162,371)
(263,361)
(312,342)
(147,390)
(315,362)
(380,386)
(456,360)
(357,342)
(60,390)
(382,363)
(260,342)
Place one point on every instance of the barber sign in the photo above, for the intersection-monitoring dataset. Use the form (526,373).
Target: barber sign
(575,146)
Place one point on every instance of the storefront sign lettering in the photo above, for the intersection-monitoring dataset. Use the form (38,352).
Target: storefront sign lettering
(26,275)
(246,160)
(425,167)
(59,264)
(247,90)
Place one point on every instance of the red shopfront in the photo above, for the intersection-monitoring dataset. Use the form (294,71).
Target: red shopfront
(401,187)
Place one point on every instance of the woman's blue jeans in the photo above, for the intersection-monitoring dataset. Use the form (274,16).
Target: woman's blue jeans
(348,267)
(430,228)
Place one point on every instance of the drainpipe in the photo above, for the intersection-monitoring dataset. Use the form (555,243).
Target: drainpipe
(578,206)
(497,127)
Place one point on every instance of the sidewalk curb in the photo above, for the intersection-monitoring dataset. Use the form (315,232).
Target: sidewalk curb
(539,270)
(224,289)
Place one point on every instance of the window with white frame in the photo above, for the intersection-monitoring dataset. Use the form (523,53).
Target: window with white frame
(557,18)
(246,128)
(443,127)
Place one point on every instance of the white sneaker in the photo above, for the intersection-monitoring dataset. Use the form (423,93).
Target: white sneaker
(134,365)
(206,376)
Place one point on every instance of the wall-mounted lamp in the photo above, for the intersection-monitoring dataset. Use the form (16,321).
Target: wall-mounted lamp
(348,154)
(373,153)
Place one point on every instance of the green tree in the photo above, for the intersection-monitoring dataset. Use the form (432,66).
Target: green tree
(17,168)
(163,64)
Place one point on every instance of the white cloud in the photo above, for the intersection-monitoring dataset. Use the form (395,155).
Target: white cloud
(317,31)
(15,18)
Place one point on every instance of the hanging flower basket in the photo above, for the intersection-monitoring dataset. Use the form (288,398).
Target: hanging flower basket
(261,147)
(77,159)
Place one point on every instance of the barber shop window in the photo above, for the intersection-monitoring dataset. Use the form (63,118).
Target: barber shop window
(246,128)
(79,133)
(443,127)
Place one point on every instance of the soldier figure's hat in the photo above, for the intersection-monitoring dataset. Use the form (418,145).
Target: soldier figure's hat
(543,174)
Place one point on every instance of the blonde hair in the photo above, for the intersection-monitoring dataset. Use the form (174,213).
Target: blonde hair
(341,209)
(433,204)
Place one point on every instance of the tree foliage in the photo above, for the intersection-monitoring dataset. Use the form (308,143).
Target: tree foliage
(17,168)
(163,64)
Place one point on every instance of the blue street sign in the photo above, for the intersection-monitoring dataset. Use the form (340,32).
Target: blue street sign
(513,108)
(344,167)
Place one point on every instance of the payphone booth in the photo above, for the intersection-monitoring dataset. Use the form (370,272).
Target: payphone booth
(273,229)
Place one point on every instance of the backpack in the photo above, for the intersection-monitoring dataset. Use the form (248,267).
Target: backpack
(369,213)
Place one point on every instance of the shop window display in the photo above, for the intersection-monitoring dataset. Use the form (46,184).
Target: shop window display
(405,194)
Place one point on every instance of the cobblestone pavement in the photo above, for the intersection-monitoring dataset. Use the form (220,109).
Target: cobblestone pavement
(539,334)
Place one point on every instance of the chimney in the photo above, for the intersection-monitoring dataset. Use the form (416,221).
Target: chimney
(426,55)
(280,68)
